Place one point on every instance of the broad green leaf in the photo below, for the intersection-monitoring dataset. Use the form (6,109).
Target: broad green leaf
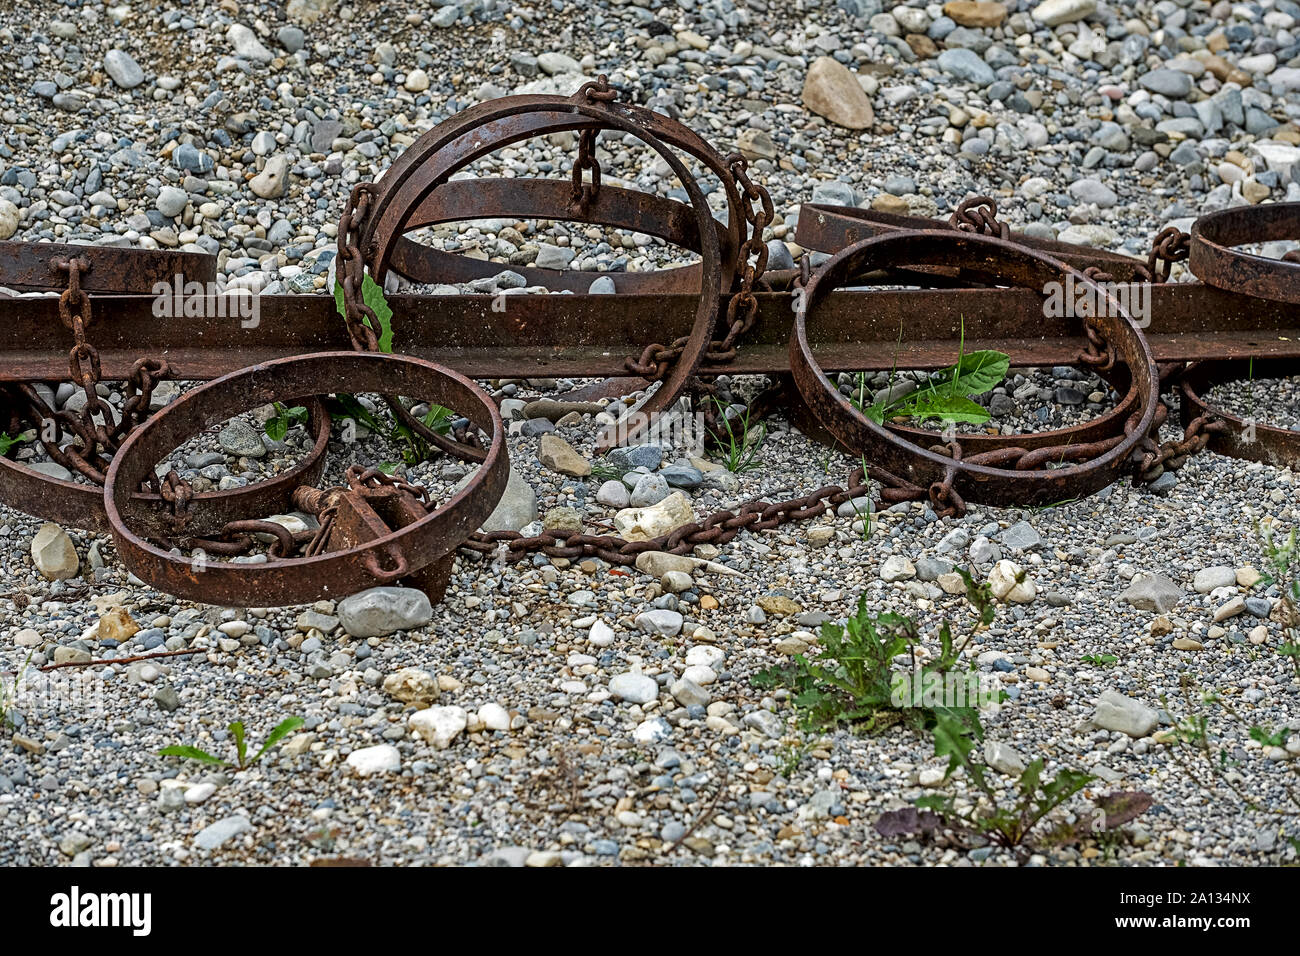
(978,372)
(373,296)
(945,407)
(282,730)
(953,741)
(7,441)
(347,406)
(876,413)
(192,753)
(1029,778)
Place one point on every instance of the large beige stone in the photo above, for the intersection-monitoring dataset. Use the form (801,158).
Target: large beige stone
(412,686)
(53,553)
(830,90)
(115,624)
(559,456)
(9,218)
(644,524)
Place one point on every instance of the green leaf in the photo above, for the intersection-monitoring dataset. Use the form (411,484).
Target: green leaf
(191,753)
(373,296)
(952,740)
(282,730)
(978,372)
(1268,738)
(241,748)
(343,405)
(7,441)
(1030,777)
(944,406)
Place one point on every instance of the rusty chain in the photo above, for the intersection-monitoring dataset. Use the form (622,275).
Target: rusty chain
(979,214)
(716,529)
(750,262)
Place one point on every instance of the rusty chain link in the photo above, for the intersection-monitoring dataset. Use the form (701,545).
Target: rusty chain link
(750,262)
(979,214)
(717,529)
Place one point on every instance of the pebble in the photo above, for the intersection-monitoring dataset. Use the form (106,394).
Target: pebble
(439,725)
(634,688)
(218,834)
(122,69)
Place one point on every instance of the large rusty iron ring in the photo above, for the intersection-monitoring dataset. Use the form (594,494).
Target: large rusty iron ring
(76,505)
(1236,436)
(1214,260)
(613,206)
(980,477)
(116,270)
(331,574)
(429,163)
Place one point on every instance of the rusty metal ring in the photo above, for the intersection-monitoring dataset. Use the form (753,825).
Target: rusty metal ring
(1015,265)
(1214,260)
(76,505)
(330,574)
(473,133)
(27,267)
(1241,438)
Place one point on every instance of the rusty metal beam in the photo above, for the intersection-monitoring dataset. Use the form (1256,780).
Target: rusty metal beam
(588,336)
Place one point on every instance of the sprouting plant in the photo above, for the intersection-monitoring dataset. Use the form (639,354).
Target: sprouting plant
(278,425)
(738,441)
(948,396)
(1101,660)
(991,815)
(9,692)
(1284,570)
(603,473)
(373,296)
(282,730)
(853,680)
(7,441)
(863,514)
(791,754)
(1204,754)
(414,449)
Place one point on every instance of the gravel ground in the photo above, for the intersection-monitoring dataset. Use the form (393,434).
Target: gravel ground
(238,130)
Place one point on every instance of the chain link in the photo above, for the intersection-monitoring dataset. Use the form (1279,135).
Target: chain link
(750,262)
(979,214)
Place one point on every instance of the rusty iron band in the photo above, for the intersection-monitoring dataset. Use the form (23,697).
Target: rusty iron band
(1239,437)
(1215,262)
(134,521)
(1033,480)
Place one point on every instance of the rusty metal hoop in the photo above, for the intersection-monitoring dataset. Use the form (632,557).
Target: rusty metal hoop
(430,162)
(77,505)
(116,270)
(1238,437)
(829,229)
(1101,462)
(1214,260)
(331,574)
